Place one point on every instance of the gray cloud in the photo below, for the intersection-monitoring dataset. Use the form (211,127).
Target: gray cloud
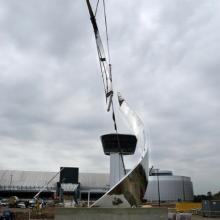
(165,57)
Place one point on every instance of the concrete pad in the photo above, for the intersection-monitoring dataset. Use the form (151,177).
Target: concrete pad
(111,213)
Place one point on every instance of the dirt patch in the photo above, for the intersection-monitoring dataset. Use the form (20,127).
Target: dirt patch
(23,214)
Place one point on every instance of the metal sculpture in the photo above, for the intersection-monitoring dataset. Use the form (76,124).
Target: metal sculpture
(127,189)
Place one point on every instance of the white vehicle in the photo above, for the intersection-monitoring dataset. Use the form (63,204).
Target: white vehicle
(32,203)
(21,205)
(4,202)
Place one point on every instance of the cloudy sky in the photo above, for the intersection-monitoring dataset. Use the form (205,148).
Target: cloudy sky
(165,57)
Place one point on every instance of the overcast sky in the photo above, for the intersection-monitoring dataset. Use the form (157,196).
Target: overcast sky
(166,63)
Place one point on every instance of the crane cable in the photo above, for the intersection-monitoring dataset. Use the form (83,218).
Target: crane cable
(110,69)
(106,33)
(96,8)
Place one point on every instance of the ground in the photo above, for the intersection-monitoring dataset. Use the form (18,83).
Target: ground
(48,213)
(197,217)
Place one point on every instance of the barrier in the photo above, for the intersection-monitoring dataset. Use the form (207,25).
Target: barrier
(111,213)
(187,206)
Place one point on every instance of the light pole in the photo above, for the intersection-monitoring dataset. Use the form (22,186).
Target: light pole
(11,184)
(11,180)
(183,189)
(158,187)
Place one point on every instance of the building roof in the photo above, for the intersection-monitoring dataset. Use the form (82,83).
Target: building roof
(37,179)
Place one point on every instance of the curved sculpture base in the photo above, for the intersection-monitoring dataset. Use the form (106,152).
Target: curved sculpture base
(130,190)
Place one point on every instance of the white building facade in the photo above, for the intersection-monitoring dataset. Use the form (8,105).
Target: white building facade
(163,185)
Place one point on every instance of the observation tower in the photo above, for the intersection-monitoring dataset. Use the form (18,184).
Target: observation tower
(116,146)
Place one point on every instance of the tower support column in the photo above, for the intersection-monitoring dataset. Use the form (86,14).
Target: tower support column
(116,168)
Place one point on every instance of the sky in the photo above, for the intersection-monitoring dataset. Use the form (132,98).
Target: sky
(165,61)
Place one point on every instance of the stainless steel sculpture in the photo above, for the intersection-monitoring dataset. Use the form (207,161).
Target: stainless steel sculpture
(127,189)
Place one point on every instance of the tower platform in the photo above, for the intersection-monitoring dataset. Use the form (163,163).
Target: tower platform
(119,143)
